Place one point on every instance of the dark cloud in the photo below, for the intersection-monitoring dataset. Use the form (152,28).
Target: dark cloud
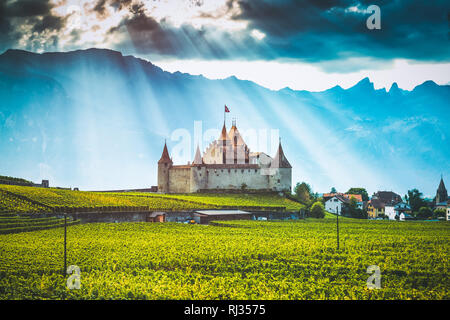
(14,16)
(29,8)
(311,31)
(322,30)
(100,7)
(49,22)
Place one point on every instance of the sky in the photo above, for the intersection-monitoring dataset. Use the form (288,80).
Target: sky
(304,45)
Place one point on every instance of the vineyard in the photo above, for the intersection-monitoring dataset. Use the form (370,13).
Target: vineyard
(11,223)
(32,199)
(230,260)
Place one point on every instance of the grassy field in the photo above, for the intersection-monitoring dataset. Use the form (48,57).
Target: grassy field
(31,199)
(232,260)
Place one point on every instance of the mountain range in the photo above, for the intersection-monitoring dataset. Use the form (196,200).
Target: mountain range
(96,119)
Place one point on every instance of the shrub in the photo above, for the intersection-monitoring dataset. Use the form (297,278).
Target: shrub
(317,210)
(424,213)
(437,213)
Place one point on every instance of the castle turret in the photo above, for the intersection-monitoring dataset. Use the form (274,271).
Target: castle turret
(198,157)
(281,172)
(164,165)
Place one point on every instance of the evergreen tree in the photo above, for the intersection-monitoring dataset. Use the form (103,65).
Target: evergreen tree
(415,200)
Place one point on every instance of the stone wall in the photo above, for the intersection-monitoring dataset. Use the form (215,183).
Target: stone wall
(185,179)
(179,179)
(179,216)
(281,179)
(234,178)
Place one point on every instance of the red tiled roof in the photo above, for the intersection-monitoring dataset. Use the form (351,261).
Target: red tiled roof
(358,197)
(165,158)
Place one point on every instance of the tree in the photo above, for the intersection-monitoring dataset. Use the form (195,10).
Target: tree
(303,192)
(354,211)
(333,190)
(361,191)
(415,200)
(439,213)
(424,213)
(317,210)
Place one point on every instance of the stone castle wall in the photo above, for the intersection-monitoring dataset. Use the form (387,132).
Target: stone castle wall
(179,179)
(234,178)
(183,179)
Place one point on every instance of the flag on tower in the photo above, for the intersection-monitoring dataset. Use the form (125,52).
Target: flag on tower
(226,109)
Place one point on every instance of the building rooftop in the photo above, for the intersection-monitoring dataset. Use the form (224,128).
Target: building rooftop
(221,212)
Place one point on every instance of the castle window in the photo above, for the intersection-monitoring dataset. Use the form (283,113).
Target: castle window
(235,170)
(256,170)
(278,180)
(242,171)
(229,170)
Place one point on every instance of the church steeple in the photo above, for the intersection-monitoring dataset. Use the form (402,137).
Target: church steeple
(441,193)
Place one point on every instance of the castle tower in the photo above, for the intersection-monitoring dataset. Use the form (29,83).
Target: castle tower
(281,172)
(240,154)
(441,193)
(164,165)
(224,144)
(198,173)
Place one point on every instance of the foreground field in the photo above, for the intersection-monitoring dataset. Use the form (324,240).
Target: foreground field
(234,260)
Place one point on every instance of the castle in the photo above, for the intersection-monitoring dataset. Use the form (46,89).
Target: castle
(227,164)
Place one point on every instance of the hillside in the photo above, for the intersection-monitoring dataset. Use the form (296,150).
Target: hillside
(17,181)
(32,199)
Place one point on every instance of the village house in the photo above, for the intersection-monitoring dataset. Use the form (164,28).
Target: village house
(377,204)
(336,202)
(397,211)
